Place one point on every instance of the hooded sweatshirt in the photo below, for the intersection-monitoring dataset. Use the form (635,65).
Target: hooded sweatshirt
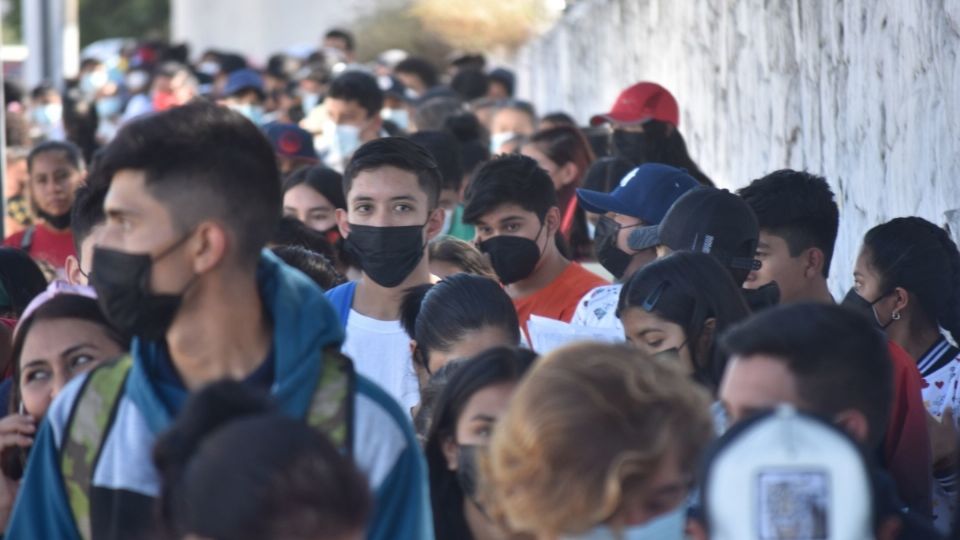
(125,481)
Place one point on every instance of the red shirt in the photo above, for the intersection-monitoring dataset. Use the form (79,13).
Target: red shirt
(48,245)
(559,299)
(906,446)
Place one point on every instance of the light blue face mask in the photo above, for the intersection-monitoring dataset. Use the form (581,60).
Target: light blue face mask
(309,101)
(109,106)
(399,117)
(666,527)
(499,139)
(254,113)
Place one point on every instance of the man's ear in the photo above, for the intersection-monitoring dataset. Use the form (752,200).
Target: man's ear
(855,423)
(552,220)
(74,275)
(814,263)
(210,247)
(342,222)
(434,223)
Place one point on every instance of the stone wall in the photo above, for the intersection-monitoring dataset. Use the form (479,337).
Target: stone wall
(865,92)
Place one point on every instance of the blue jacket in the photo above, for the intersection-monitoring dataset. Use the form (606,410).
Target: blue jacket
(384,447)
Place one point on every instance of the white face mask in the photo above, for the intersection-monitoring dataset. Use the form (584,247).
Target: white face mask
(47,115)
(400,117)
(309,101)
(345,140)
(499,139)
(666,527)
(254,113)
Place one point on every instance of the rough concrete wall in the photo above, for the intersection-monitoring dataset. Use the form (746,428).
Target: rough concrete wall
(865,92)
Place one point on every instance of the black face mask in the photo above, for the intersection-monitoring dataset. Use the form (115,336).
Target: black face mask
(513,258)
(467,470)
(614,259)
(861,305)
(61,223)
(387,255)
(122,282)
(629,145)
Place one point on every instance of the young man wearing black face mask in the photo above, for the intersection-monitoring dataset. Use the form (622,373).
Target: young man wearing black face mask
(644,122)
(55,171)
(513,205)
(193,195)
(642,199)
(392,187)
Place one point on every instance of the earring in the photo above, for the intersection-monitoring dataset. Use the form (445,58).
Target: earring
(896,315)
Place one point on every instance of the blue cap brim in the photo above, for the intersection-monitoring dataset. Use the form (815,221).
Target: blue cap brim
(597,202)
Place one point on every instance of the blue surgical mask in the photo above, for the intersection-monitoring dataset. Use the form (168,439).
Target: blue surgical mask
(400,117)
(346,139)
(109,106)
(666,527)
(309,101)
(46,115)
(254,113)
(499,139)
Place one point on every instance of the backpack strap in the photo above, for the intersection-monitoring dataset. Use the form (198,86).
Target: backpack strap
(341,297)
(86,429)
(26,241)
(331,408)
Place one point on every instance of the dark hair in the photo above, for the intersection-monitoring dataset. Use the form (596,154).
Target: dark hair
(86,213)
(525,107)
(510,178)
(429,394)
(316,267)
(61,306)
(291,231)
(838,358)
(434,113)
(917,255)
(495,366)
(401,153)
(504,77)
(474,154)
(445,149)
(359,87)
(664,144)
(559,118)
(470,84)
(419,67)
(234,467)
(203,161)
(687,288)
(21,278)
(605,174)
(321,179)
(798,207)
(461,254)
(562,145)
(438,316)
(465,126)
(70,151)
(339,33)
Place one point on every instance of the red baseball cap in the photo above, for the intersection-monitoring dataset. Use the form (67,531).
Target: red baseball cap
(642,102)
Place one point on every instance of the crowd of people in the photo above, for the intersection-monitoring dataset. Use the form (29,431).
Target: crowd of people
(300,301)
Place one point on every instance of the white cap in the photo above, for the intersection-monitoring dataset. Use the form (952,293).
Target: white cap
(788,475)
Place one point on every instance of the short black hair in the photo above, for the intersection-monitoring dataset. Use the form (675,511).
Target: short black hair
(399,152)
(340,33)
(470,84)
(505,78)
(321,179)
(511,178)
(421,68)
(203,161)
(839,359)
(798,207)
(314,265)
(525,107)
(70,151)
(21,279)
(360,87)
(86,213)
(445,149)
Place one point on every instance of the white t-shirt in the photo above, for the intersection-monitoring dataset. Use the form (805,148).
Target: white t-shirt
(598,308)
(380,351)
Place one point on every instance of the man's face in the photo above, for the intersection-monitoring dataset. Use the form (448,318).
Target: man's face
(511,219)
(388,197)
(756,383)
(778,265)
(53,180)
(411,81)
(350,113)
(512,121)
(139,223)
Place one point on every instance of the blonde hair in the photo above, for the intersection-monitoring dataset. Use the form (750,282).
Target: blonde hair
(589,424)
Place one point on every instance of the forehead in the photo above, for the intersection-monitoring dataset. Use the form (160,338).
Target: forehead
(51,336)
(758,380)
(51,159)
(385,183)
(771,241)
(129,191)
(488,401)
(637,319)
(344,107)
(507,211)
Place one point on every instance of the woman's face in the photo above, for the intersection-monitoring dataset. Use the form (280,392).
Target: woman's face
(868,283)
(471,344)
(310,207)
(560,176)
(55,351)
(483,409)
(652,334)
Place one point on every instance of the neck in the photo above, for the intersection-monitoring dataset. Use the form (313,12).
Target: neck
(914,338)
(816,291)
(224,334)
(382,303)
(551,265)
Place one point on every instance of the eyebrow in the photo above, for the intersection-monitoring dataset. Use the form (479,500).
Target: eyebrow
(483,418)
(34,363)
(77,347)
(398,198)
(763,245)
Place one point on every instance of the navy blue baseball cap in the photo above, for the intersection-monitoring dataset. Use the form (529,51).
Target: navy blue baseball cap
(647,192)
(243,79)
(290,140)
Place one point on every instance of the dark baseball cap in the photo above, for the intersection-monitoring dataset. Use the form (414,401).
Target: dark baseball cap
(243,79)
(646,193)
(290,140)
(713,221)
